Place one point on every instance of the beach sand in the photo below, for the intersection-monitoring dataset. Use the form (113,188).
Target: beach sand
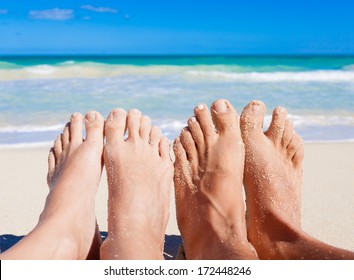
(327,209)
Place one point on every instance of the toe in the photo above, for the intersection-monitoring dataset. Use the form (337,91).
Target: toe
(58,148)
(182,178)
(115,125)
(189,146)
(145,127)
(180,153)
(51,165)
(133,124)
(164,148)
(288,133)
(206,124)
(299,155)
(76,125)
(252,117)
(224,117)
(94,124)
(65,137)
(293,146)
(155,136)
(197,134)
(277,125)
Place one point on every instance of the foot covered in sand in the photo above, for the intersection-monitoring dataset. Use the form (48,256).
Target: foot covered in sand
(139,172)
(208,185)
(273,177)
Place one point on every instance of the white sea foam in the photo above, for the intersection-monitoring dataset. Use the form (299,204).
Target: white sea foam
(271,77)
(31,129)
(72,69)
(41,70)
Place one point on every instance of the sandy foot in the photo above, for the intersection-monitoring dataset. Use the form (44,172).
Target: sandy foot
(208,185)
(273,177)
(139,172)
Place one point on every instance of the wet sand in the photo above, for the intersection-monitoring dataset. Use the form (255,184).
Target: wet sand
(328,193)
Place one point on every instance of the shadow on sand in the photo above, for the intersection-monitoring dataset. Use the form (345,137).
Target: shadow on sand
(172,243)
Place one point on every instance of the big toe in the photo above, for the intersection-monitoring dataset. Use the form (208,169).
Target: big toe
(76,124)
(94,123)
(252,117)
(224,116)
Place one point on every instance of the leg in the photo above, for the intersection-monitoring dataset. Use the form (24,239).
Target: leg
(139,173)
(66,227)
(208,185)
(272,178)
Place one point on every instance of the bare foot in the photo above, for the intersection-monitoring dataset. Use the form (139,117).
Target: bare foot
(273,176)
(208,185)
(139,172)
(66,227)
(55,166)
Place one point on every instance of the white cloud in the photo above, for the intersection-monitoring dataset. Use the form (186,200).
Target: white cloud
(3,12)
(53,14)
(99,9)
(87,18)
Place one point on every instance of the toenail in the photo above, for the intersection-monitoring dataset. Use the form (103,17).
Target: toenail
(220,106)
(91,116)
(200,106)
(256,108)
(193,119)
(75,116)
(135,111)
(282,109)
(118,112)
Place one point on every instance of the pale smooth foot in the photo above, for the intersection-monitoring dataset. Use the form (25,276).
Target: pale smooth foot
(67,225)
(208,185)
(139,173)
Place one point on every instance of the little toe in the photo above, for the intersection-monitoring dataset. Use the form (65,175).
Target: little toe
(94,123)
(133,124)
(277,125)
(181,177)
(51,165)
(155,136)
(224,117)
(58,148)
(293,146)
(251,121)
(164,148)
(65,136)
(76,125)
(145,127)
(197,134)
(115,126)
(205,121)
(299,155)
(189,146)
(288,133)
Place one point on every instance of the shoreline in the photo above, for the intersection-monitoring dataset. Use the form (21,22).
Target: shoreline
(327,193)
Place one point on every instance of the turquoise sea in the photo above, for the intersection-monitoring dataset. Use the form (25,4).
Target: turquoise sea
(38,94)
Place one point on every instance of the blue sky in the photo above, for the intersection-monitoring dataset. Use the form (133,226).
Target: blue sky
(176,27)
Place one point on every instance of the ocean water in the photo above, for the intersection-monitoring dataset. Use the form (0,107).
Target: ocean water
(38,94)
